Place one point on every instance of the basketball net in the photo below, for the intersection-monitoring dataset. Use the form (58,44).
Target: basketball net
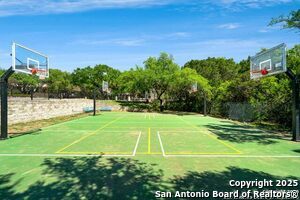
(39,72)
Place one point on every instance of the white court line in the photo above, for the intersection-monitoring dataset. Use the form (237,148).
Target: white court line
(62,155)
(233,156)
(136,145)
(161,145)
(75,155)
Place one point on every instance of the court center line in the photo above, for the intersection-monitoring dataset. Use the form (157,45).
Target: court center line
(136,145)
(213,137)
(161,145)
(88,135)
(149,141)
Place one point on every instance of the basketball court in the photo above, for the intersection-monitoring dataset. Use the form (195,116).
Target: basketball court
(129,146)
(146,134)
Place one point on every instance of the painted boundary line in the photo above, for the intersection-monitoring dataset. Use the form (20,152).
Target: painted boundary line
(214,137)
(105,154)
(190,154)
(137,144)
(161,145)
(115,155)
(64,155)
(234,156)
(88,135)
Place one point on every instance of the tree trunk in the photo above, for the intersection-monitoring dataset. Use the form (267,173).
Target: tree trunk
(161,108)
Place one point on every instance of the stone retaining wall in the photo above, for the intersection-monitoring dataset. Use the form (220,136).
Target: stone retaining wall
(24,109)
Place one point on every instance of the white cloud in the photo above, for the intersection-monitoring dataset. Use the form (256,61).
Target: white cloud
(270,28)
(229,26)
(131,42)
(118,42)
(179,34)
(238,4)
(34,7)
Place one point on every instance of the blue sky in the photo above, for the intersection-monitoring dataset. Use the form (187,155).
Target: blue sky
(123,33)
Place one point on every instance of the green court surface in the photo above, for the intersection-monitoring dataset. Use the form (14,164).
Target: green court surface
(164,147)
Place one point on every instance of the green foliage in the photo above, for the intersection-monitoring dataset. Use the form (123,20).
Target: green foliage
(132,81)
(160,72)
(89,78)
(292,21)
(59,82)
(216,70)
(164,78)
(24,83)
(293,59)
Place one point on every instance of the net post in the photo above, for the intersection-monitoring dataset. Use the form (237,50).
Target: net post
(4,105)
(204,105)
(295,105)
(31,94)
(94,101)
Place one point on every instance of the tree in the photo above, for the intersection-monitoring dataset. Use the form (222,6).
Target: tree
(89,79)
(59,82)
(159,74)
(180,92)
(216,70)
(24,83)
(133,82)
(292,21)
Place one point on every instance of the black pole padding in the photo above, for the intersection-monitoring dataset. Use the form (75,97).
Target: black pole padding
(31,94)
(204,105)
(94,98)
(4,105)
(295,105)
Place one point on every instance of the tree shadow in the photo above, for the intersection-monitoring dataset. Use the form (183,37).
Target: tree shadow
(240,134)
(135,106)
(7,188)
(179,113)
(297,150)
(120,178)
(219,181)
(96,178)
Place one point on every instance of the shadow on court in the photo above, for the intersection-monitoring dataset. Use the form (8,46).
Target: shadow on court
(90,178)
(241,134)
(22,133)
(210,181)
(297,150)
(118,178)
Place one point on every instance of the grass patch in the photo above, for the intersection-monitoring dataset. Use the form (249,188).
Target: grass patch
(28,127)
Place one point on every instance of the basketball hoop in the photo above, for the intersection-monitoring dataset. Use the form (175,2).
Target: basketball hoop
(34,71)
(39,72)
(42,77)
(264,71)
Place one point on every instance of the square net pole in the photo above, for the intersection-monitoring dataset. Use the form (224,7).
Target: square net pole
(4,105)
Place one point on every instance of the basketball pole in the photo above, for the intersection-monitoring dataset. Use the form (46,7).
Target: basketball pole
(94,102)
(295,105)
(204,105)
(4,105)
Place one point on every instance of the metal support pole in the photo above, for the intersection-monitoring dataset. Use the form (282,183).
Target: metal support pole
(4,106)
(204,105)
(31,94)
(94,98)
(295,105)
